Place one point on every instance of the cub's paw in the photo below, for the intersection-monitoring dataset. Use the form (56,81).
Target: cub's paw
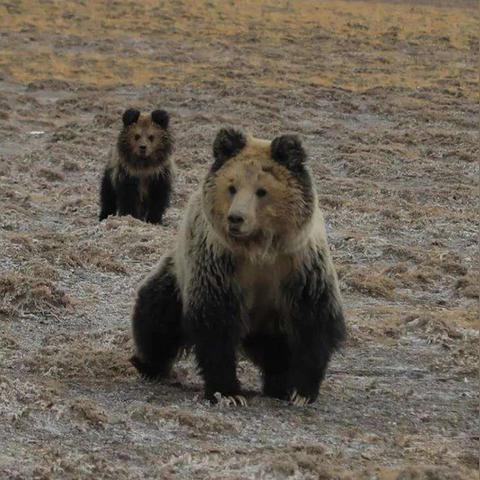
(299,400)
(229,400)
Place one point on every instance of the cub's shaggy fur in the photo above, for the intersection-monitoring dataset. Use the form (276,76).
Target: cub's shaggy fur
(138,178)
(251,270)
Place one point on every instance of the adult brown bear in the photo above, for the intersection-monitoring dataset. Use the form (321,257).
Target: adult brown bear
(251,269)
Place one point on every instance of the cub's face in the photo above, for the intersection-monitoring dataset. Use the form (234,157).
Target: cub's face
(144,139)
(257,191)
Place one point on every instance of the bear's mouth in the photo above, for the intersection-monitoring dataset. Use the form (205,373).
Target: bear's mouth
(242,236)
(237,233)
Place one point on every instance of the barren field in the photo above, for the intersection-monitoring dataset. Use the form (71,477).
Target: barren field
(385,97)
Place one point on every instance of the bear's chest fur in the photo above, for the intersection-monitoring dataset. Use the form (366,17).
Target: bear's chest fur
(143,187)
(262,292)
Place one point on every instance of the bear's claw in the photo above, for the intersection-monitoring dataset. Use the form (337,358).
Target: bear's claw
(230,400)
(298,400)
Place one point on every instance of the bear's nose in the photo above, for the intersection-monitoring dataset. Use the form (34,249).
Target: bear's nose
(143,148)
(235,219)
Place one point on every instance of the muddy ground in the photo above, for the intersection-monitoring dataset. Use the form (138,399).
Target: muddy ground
(385,97)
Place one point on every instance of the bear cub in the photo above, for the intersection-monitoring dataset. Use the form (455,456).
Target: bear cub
(138,177)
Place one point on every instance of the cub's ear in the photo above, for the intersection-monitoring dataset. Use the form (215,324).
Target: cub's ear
(130,116)
(161,118)
(287,150)
(228,143)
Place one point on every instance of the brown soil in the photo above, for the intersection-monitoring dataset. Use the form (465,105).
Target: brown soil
(385,96)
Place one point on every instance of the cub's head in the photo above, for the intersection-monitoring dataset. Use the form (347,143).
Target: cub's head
(145,141)
(258,193)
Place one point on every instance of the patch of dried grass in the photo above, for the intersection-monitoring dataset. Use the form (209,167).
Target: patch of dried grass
(469,285)
(138,239)
(375,284)
(444,326)
(86,410)
(51,175)
(432,328)
(8,342)
(59,462)
(64,250)
(418,472)
(29,294)
(409,276)
(200,422)
(402,252)
(282,463)
(101,356)
(465,355)
(70,166)
(18,397)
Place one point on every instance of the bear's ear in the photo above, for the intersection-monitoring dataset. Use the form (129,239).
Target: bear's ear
(287,150)
(161,118)
(228,143)
(130,116)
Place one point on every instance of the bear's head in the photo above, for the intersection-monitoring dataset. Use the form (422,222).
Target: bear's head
(145,141)
(258,193)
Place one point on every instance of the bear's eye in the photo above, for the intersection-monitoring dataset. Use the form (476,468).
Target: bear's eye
(232,190)
(151,137)
(261,192)
(137,137)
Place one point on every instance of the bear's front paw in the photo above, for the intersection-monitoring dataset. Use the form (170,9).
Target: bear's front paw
(299,400)
(229,400)
(147,371)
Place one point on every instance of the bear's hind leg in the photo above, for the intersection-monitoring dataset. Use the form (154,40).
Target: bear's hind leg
(156,324)
(272,354)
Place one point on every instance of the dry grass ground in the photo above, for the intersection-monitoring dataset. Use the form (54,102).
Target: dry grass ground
(385,96)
